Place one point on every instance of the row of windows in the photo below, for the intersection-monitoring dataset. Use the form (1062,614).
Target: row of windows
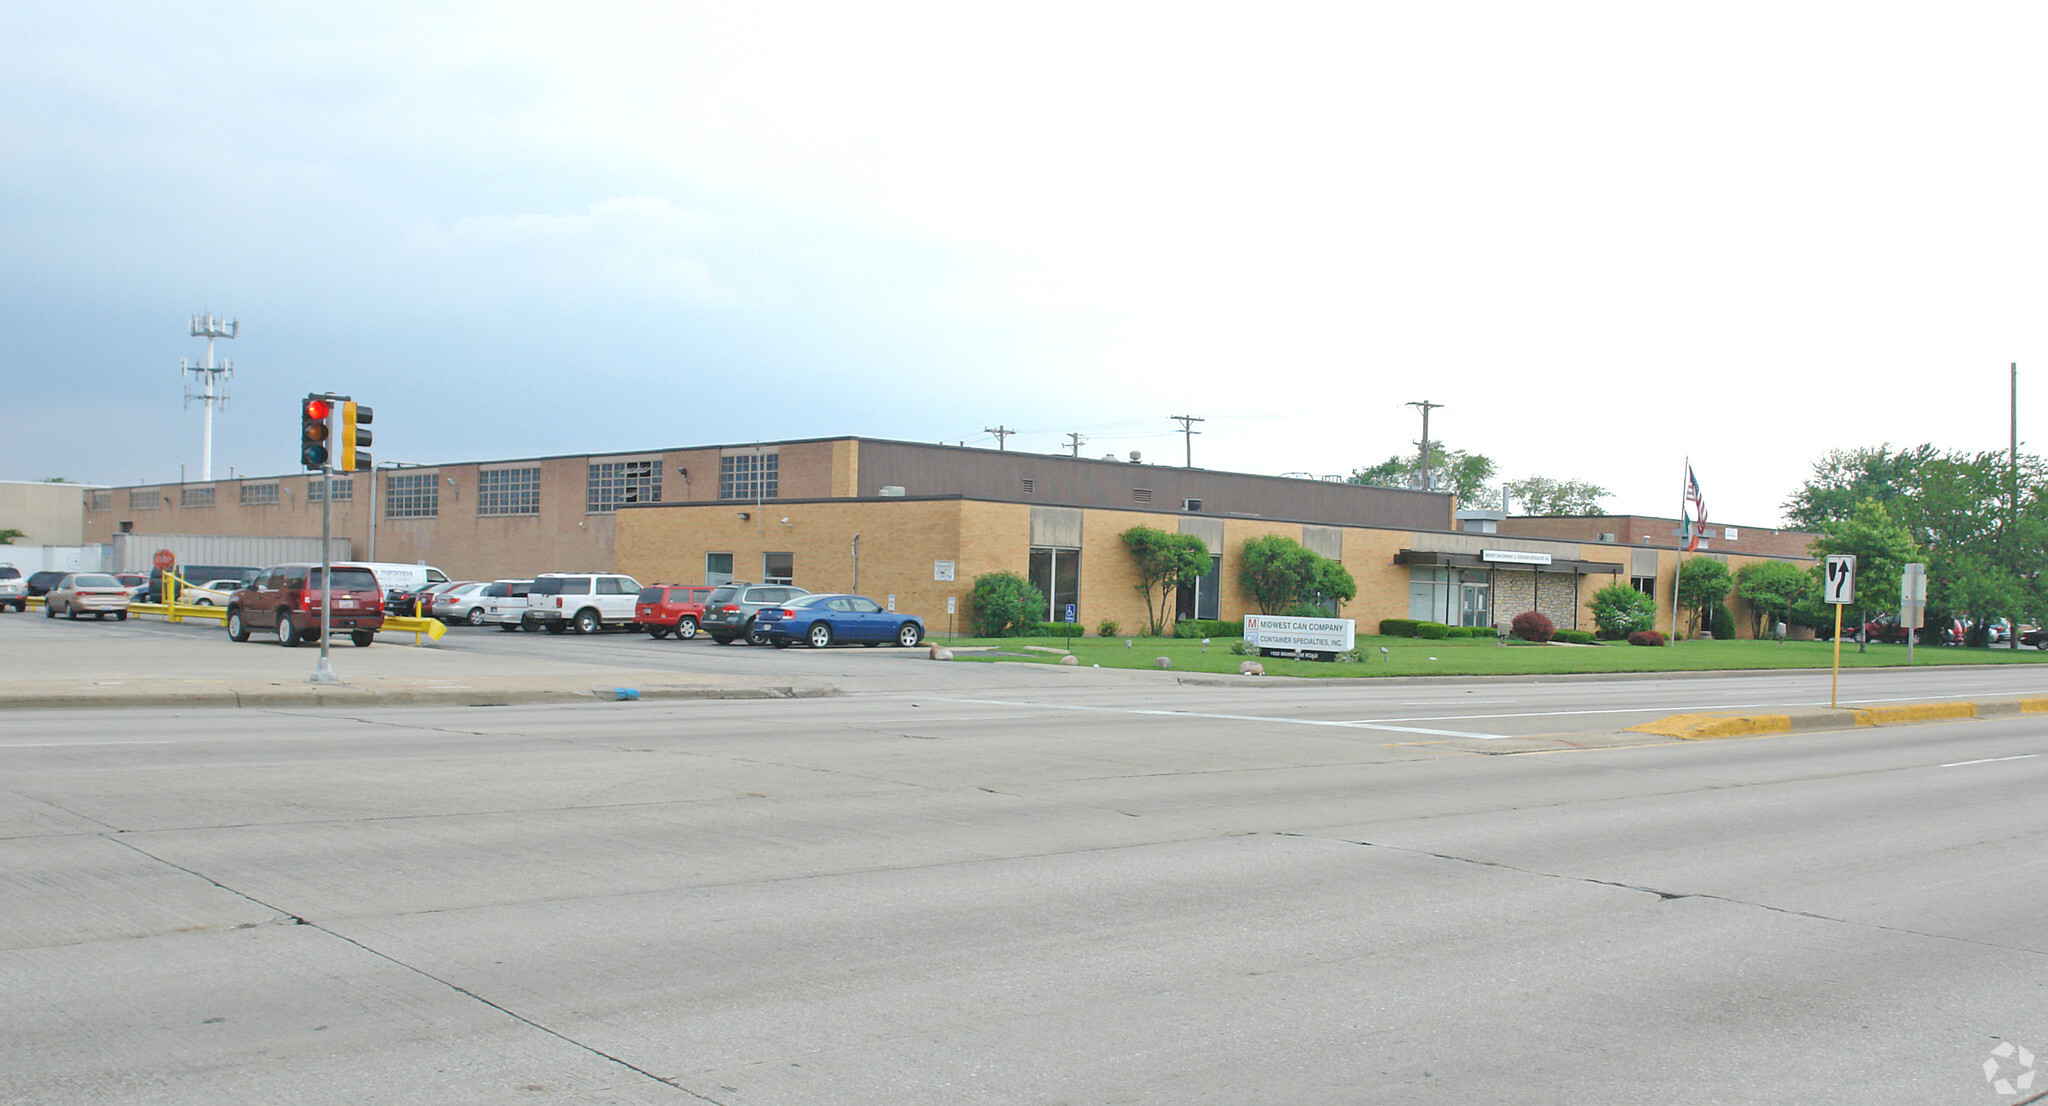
(750,476)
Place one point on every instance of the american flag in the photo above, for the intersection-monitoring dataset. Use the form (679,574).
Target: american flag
(1694,510)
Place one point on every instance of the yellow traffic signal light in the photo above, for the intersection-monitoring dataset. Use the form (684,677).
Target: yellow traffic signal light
(355,437)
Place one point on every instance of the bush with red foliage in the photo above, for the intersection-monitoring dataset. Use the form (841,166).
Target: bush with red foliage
(1533,626)
(1646,637)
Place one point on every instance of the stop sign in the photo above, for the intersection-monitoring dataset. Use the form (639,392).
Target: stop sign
(163,560)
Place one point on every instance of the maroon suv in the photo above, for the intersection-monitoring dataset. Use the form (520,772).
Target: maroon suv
(285,599)
(665,609)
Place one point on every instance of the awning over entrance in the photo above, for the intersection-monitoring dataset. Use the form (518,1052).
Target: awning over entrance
(1434,559)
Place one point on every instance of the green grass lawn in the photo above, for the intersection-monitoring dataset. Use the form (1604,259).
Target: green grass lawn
(1478,657)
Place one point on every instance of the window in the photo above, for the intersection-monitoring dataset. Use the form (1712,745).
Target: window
(717,568)
(1202,598)
(508,491)
(257,495)
(749,475)
(1057,572)
(778,568)
(616,585)
(195,497)
(103,501)
(1645,584)
(616,482)
(1457,597)
(143,499)
(412,495)
(343,488)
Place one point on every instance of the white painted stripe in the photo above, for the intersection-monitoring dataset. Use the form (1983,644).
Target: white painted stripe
(1552,713)
(1222,717)
(1991,760)
(69,744)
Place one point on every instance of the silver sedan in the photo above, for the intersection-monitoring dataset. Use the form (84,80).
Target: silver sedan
(93,593)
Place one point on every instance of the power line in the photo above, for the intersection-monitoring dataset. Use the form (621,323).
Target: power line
(1075,442)
(1001,432)
(1426,407)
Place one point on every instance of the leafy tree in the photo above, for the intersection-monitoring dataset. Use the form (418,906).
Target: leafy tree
(1540,495)
(1703,583)
(1846,477)
(1278,573)
(1453,470)
(1164,562)
(1882,547)
(1772,589)
(1620,610)
(8,535)
(1003,604)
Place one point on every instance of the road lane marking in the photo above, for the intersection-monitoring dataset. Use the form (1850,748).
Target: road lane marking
(1223,717)
(71,744)
(1991,760)
(1550,713)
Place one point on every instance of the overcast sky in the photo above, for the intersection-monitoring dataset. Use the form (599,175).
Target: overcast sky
(1604,236)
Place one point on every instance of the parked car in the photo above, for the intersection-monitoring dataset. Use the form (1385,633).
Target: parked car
(588,601)
(236,577)
(95,593)
(729,610)
(286,600)
(213,593)
(401,582)
(13,591)
(458,603)
(1933,630)
(40,583)
(137,584)
(664,609)
(505,604)
(822,620)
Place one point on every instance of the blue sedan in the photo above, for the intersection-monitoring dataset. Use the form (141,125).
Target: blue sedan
(821,620)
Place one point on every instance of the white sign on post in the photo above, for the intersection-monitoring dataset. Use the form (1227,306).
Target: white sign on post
(1840,586)
(1913,596)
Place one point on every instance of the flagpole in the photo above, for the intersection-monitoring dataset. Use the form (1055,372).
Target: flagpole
(1684,527)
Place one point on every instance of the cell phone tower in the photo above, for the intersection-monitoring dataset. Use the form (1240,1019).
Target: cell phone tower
(211,379)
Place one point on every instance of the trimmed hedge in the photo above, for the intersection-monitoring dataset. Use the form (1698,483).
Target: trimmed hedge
(1646,637)
(1432,630)
(1201,628)
(1398,627)
(1576,637)
(1533,626)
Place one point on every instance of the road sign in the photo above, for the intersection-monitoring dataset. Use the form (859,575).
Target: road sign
(1840,586)
(1070,613)
(1913,596)
(163,560)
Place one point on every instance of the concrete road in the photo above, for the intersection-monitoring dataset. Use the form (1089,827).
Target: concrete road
(1003,887)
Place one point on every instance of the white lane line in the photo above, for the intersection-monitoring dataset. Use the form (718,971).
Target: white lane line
(1550,713)
(1222,717)
(1991,760)
(70,744)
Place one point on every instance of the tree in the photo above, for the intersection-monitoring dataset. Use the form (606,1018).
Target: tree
(1620,610)
(1164,562)
(1882,547)
(1453,470)
(8,535)
(1772,589)
(1702,584)
(1003,604)
(1540,495)
(1279,573)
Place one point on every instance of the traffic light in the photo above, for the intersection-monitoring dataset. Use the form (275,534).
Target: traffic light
(316,416)
(351,453)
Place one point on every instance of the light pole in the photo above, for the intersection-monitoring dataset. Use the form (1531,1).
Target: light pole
(381,466)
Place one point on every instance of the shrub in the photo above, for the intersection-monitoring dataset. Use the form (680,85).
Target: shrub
(1478,631)
(1107,628)
(1575,637)
(1724,623)
(1308,610)
(1201,628)
(1004,604)
(1243,648)
(1646,637)
(1533,626)
(1398,627)
(1620,610)
(1432,630)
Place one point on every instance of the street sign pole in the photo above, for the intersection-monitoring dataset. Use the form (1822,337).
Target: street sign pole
(323,672)
(1839,588)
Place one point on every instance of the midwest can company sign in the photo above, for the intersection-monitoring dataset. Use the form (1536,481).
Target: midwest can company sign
(1320,635)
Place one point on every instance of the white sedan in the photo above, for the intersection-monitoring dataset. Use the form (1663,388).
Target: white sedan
(213,593)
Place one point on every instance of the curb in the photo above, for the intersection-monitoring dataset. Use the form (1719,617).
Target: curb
(1713,727)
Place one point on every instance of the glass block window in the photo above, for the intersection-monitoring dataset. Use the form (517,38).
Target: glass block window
(103,501)
(144,499)
(257,495)
(508,491)
(195,497)
(412,495)
(344,489)
(749,475)
(616,482)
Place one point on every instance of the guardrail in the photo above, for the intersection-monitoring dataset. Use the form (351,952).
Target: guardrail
(432,628)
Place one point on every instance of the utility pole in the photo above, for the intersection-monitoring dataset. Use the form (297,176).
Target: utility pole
(1187,427)
(2013,487)
(1426,407)
(1001,432)
(1074,442)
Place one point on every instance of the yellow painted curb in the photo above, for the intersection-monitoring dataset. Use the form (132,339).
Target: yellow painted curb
(1906,713)
(1709,727)
(2033,706)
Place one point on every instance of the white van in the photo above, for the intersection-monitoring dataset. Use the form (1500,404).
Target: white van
(402,580)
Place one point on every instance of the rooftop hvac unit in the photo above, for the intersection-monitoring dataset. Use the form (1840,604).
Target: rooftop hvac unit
(892,489)
(1191,505)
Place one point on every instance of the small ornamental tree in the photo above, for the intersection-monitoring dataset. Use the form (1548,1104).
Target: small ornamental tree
(1163,562)
(1772,589)
(1533,626)
(1620,610)
(1703,583)
(1004,604)
(1279,575)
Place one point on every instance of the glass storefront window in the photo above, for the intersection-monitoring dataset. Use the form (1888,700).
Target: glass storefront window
(1057,572)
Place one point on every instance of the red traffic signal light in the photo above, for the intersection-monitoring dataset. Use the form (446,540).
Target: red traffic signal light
(314,418)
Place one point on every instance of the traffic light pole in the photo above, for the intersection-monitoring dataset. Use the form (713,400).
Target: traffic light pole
(323,672)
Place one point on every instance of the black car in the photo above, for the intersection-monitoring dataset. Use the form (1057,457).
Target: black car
(729,610)
(40,583)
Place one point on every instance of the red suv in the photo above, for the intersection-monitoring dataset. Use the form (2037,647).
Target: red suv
(286,600)
(666,609)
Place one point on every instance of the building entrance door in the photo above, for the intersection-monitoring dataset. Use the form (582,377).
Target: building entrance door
(1473,606)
